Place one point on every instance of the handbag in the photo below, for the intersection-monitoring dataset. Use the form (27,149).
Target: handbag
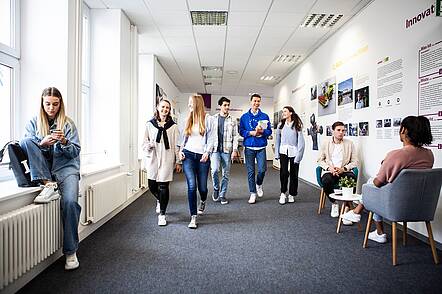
(18,162)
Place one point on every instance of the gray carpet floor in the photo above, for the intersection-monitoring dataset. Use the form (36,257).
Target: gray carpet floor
(239,248)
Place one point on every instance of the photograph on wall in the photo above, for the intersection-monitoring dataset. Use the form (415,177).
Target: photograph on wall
(327,97)
(363,128)
(362,98)
(313,131)
(313,92)
(379,123)
(328,131)
(353,129)
(345,92)
(160,94)
(346,129)
(397,122)
(387,123)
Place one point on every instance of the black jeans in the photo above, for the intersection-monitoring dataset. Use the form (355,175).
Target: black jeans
(284,174)
(161,192)
(329,182)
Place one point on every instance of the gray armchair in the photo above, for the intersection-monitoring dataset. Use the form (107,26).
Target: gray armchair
(412,197)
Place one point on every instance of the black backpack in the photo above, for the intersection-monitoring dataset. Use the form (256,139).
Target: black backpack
(18,163)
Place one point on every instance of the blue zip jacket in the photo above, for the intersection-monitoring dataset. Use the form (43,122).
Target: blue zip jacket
(66,160)
(248,123)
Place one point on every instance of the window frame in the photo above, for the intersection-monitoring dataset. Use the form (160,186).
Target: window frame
(13,50)
(10,57)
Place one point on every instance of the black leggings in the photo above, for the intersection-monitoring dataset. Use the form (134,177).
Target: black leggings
(329,182)
(161,192)
(284,174)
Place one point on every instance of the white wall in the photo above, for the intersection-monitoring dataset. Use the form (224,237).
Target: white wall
(377,32)
(44,34)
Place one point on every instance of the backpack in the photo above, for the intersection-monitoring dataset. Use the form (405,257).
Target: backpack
(18,163)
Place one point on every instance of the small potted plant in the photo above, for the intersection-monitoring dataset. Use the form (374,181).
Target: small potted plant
(347,184)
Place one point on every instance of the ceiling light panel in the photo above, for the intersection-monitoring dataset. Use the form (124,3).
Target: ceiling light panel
(321,20)
(209,18)
(287,58)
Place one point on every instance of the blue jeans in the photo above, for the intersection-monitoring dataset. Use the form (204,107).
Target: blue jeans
(260,156)
(70,210)
(38,159)
(39,165)
(196,173)
(223,159)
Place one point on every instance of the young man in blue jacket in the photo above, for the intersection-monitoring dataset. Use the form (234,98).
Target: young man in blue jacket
(255,128)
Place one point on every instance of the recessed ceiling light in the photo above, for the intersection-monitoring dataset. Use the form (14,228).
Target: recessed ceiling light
(209,18)
(232,72)
(210,68)
(321,20)
(286,58)
(269,78)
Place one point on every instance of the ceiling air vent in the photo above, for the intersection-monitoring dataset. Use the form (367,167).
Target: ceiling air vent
(286,58)
(209,18)
(321,20)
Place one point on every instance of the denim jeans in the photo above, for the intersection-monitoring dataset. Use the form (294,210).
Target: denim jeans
(196,173)
(222,159)
(39,165)
(38,159)
(260,156)
(70,210)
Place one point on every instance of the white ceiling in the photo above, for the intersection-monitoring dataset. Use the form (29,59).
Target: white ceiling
(256,32)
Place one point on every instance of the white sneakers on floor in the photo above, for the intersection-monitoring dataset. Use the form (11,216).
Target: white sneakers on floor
(252,198)
(158,209)
(282,199)
(193,224)
(291,199)
(351,216)
(334,210)
(71,262)
(259,191)
(162,220)
(49,193)
(374,236)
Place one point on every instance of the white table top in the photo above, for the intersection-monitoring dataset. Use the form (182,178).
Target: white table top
(354,197)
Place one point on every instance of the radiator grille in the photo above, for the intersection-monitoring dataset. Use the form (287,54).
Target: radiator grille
(28,236)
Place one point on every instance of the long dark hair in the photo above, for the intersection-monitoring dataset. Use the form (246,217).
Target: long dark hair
(418,130)
(157,114)
(296,121)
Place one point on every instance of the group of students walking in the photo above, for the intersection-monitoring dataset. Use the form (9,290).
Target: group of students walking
(211,142)
(52,146)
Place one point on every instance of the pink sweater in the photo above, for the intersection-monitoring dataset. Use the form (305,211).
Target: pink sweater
(406,157)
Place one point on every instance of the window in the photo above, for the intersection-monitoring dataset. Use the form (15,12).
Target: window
(9,73)
(85,87)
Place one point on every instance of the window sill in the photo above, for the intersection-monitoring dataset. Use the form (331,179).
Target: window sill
(92,169)
(9,190)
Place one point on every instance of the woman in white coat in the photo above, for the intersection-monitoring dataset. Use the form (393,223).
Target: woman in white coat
(160,146)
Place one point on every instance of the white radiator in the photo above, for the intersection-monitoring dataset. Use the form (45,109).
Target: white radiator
(104,196)
(28,236)
(143,178)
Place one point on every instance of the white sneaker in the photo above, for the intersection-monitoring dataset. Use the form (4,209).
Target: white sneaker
(49,193)
(193,224)
(351,216)
(291,199)
(71,262)
(252,198)
(374,236)
(282,199)
(334,210)
(346,222)
(259,191)
(158,208)
(162,220)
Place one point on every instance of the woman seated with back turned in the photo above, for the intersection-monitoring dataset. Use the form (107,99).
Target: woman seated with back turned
(414,132)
